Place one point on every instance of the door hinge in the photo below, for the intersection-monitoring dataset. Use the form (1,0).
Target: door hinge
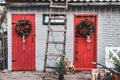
(76,56)
(76,51)
(13,60)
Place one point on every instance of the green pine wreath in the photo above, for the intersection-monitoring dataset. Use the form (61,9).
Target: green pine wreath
(23,28)
(85,28)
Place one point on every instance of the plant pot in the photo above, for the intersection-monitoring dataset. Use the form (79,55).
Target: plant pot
(115,76)
(61,77)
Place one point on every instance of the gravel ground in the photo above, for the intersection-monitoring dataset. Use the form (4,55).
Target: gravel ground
(33,75)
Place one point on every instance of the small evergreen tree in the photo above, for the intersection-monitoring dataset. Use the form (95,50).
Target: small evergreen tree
(61,69)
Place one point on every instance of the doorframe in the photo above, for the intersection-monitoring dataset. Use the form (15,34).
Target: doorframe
(96,39)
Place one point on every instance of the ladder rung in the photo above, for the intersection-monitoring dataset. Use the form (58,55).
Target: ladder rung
(58,30)
(56,42)
(53,54)
(53,6)
(58,18)
(50,67)
(56,13)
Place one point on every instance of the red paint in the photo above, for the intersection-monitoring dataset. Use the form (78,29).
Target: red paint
(85,53)
(23,54)
(116,76)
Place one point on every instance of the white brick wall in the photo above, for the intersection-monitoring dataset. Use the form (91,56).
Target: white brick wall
(2,1)
(108,31)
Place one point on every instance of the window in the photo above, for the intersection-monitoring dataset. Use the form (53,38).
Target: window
(55,21)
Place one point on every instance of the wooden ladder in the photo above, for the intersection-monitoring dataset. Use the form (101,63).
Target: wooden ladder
(56,10)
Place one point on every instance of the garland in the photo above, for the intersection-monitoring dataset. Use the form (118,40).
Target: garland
(85,28)
(23,28)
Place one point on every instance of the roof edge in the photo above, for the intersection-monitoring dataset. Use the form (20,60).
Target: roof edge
(70,4)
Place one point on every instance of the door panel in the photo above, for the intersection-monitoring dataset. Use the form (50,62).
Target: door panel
(84,52)
(23,55)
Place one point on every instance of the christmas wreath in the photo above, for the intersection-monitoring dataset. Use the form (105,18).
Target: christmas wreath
(85,28)
(23,28)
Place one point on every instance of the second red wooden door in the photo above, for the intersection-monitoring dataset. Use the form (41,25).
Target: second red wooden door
(85,52)
(23,54)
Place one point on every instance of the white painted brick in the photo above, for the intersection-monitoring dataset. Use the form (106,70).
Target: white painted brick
(108,32)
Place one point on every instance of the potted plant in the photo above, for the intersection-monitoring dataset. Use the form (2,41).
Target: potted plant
(61,68)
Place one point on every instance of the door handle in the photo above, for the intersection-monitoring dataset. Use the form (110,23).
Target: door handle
(33,38)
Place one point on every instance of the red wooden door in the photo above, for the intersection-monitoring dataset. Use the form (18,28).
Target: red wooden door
(23,55)
(85,52)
